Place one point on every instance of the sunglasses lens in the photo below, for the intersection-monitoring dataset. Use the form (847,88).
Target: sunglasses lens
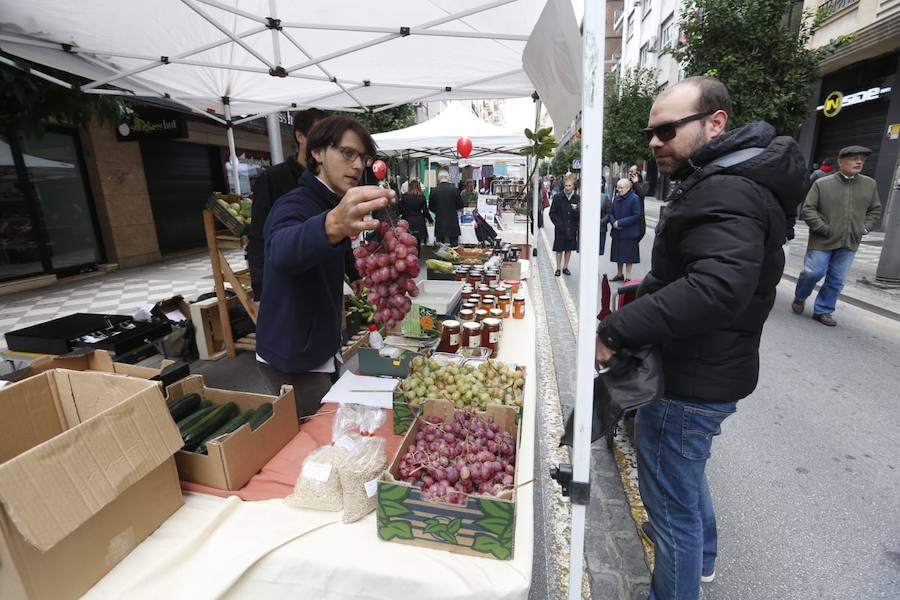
(648,134)
(665,133)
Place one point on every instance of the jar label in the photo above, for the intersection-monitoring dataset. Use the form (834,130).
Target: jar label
(475,341)
(454,339)
(494,337)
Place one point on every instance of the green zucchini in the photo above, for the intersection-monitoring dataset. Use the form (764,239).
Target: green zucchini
(229,427)
(262,414)
(211,421)
(205,407)
(182,407)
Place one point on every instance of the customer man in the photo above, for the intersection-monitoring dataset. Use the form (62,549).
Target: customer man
(444,201)
(275,182)
(298,334)
(823,170)
(716,261)
(839,209)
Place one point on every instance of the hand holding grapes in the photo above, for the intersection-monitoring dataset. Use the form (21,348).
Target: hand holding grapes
(346,219)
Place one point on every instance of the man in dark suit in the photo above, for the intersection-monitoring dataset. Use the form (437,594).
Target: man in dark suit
(444,201)
(275,182)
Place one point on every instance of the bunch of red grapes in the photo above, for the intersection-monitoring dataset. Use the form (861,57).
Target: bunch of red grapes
(389,268)
(465,455)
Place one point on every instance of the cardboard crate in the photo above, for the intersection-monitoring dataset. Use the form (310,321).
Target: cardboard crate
(372,363)
(231,463)
(86,474)
(485,526)
(225,217)
(86,359)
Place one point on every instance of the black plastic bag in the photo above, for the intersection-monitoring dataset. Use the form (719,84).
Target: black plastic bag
(633,380)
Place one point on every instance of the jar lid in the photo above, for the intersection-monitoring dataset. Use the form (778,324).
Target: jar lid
(450,323)
(481,311)
(519,297)
(504,297)
(467,311)
(472,325)
(511,281)
(496,313)
(492,322)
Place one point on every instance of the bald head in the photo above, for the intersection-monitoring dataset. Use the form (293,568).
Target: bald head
(709,93)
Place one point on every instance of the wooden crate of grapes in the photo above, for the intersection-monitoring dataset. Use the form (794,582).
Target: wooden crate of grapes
(490,382)
(452,483)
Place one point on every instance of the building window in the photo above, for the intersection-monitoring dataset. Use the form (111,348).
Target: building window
(667,32)
(645,8)
(630,26)
(644,55)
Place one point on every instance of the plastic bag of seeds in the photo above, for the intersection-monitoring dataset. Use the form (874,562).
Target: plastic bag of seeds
(356,418)
(359,477)
(319,484)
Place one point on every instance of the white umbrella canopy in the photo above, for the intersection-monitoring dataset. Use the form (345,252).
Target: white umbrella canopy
(270,55)
(438,136)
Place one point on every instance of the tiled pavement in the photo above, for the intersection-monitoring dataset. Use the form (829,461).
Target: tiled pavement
(121,292)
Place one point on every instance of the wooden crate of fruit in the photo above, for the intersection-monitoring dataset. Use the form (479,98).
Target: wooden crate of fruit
(499,385)
(232,210)
(472,510)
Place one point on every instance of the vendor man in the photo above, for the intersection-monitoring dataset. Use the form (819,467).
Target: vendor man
(298,334)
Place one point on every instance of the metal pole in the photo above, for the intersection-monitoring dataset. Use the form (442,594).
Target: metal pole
(276,150)
(535,190)
(235,173)
(888,271)
(593,42)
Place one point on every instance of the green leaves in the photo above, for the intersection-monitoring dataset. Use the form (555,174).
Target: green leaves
(444,531)
(628,101)
(491,545)
(395,529)
(404,414)
(543,143)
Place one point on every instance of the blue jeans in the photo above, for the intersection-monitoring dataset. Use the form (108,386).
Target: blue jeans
(833,265)
(673,440)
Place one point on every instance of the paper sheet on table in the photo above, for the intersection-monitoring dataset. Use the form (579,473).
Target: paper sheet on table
(362,389)
(175,316)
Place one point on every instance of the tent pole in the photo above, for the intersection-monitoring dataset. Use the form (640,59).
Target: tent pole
(276,150)
(235,173)
(593,43)
(535,195)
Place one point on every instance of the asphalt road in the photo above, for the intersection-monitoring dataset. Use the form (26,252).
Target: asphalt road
(806,476)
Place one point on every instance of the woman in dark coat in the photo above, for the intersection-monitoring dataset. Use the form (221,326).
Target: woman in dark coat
(413,209)
(625,218)
(445,202)
(605,207)
(564,214)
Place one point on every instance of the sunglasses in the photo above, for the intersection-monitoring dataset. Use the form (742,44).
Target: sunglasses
(667,131)
(351,154)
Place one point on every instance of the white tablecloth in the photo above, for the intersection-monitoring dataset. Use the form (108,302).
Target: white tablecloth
(214,547)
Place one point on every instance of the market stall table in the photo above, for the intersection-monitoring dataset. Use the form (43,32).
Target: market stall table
(225,547)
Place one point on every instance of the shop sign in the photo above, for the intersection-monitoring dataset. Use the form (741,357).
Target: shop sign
(835,101)
(144,124)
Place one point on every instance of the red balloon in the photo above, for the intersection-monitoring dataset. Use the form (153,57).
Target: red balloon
(380,169)
(464,146)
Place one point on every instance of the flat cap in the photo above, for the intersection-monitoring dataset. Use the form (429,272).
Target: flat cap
(854,150)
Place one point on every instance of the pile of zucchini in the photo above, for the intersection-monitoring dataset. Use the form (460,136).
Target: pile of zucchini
(201,421)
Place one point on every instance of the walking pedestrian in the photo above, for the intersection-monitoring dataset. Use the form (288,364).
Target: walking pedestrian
(605,209)
(564,214)
(625,218)
(414,210)
(717,259)
(444,201)
(824,169)
(840,209)
(640,188)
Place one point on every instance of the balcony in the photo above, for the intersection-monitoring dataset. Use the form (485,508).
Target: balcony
(834,7)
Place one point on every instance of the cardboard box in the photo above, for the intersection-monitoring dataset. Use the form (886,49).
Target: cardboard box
(372,363)
(86,474)
(485,526)
(86,359)
(231,463)
(171,308)
(511,270)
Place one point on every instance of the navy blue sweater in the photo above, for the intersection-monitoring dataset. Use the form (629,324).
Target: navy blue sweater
(299,323)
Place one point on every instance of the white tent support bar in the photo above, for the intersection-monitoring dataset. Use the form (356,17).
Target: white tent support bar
(190,4)
(235,165)
(109,92)
(593,43)
(325,71)
(200,63)
(234,11)
(36,73)
(261,115)
(536,201)
(412,31)
(123,74)
(273,128)
(413,101)
(332,95)
(276,43)
(440,90)
(210,46)
(387,38)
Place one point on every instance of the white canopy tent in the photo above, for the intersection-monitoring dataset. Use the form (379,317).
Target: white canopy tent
(251,58)
(437,136)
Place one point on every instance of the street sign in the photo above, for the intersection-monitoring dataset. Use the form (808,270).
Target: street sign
(576,164)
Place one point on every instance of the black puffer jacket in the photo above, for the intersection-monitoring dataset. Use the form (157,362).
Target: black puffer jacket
(717,258)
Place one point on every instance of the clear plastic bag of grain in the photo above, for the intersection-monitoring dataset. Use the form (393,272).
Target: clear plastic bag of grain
(319,484)
(359,477)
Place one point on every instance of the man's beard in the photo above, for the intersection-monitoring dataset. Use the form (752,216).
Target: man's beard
(679,162)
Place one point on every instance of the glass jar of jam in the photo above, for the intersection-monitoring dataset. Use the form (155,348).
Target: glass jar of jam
(471,334)
(513,285)
(519,306)
(502,288)
(474,277)
(480,315)
(504,303)
(490,335)
(491,276)
(488,303)
(450,336)
(467,314)
(496,313)
(467,289)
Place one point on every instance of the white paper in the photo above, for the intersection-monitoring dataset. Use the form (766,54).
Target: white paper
(317,471)
(372,487)
(362,389)
(176,316)
(3,384)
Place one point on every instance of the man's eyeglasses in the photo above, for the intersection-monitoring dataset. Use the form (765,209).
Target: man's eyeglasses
(667,131)
(351,154)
